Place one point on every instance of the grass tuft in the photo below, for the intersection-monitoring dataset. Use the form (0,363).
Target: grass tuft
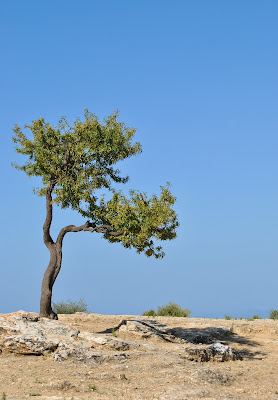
(69,307)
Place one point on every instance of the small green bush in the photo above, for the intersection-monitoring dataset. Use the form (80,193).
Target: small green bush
(70,307)
(149,313)
(227,317)
(256,316)
(273,314)
(173,310)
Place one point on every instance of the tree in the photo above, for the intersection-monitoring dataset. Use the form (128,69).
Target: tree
(75,162)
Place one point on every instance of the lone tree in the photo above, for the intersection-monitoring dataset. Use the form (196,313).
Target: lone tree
(75,162)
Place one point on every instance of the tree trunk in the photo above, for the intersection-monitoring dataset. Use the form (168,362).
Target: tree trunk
(49,278)
(55,250)
(55,260)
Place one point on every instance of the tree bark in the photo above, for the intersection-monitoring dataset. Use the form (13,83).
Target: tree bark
(54,263)
(49,278)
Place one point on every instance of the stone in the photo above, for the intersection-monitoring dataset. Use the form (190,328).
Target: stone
(25,333)
(64,385)
(26,344)
(122,377)
(220,352)
(105,340)
(216,352)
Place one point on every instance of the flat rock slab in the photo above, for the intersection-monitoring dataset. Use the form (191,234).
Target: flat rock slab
(105,340)
(25,333)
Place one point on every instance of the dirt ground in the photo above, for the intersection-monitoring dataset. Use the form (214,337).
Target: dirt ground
(156,372)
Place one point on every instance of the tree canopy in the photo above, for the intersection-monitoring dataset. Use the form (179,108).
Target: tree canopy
(76,161)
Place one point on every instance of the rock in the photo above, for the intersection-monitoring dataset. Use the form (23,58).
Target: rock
(81,353)
(26,334)
(122,377)
(31,324)
(93,337)
(105,340)
(216,377)
(25,344)
(62,385)
(220,352)
(215,352)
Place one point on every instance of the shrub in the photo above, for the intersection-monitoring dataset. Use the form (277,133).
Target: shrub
(273,314)
(70,307)
(149,313)
(227,317)
(173,310)
(256,316)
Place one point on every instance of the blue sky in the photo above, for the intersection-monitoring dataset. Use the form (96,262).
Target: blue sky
(198,79)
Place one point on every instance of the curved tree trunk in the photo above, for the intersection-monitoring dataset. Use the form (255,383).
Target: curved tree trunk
(50,274)
(55,250)
(49,278)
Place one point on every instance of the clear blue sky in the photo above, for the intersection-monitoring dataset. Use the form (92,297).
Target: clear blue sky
(198,79)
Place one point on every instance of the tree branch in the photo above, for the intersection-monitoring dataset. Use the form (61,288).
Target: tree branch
(87,227)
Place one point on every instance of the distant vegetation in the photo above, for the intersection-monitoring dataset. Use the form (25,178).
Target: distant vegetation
(70,307)
(170,310)
(149,313)
(273,314)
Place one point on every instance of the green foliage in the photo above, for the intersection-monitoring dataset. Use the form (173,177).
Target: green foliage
(256,316)
(4,396)
(69,307)
(273,314)
(92,387)
(149,313)
(76,161)
(173,310)
(227,317)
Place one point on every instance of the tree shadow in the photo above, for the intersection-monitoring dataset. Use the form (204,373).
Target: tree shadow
(197,336)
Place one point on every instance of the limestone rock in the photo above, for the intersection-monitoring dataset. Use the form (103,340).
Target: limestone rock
(215,352)
(25,344)
(64,385)
(105,340)
(220,352)
(26,334)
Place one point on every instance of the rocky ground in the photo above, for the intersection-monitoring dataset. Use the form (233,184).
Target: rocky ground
(91,356)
